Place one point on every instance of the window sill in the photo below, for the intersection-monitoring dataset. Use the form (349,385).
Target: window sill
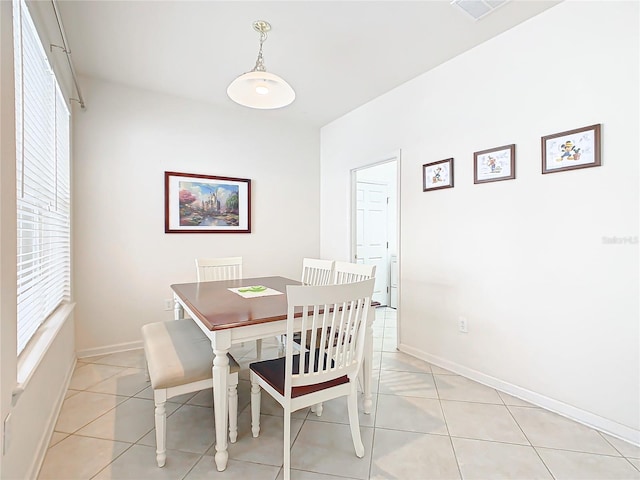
(30,358)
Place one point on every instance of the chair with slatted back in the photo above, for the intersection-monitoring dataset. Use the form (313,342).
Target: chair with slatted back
(316,271)
(212,269)
(224,268)
(345,272)
(308,376)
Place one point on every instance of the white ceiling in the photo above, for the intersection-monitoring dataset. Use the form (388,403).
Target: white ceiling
(337,55)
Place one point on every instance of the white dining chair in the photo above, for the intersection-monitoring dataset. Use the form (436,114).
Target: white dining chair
(179,360)
(223,268)
(212,269)
(345,272)
(308,376)
(316,271)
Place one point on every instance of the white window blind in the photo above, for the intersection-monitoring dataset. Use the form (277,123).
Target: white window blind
(43,193)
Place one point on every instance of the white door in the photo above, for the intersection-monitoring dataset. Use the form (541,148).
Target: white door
(371,234)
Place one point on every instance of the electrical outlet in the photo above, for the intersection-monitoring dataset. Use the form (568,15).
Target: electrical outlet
(168,305)
(463,326)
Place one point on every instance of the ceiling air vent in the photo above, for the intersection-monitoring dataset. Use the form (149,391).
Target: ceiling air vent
(477,9)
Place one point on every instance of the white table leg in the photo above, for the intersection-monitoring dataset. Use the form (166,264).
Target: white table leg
(367,369)
(178,311)
(221,343)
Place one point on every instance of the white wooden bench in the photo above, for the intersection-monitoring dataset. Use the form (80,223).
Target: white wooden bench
(179,360)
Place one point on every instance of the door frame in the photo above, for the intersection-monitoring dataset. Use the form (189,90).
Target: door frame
(395,156)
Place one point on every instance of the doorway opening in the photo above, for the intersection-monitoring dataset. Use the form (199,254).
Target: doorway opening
(375,224)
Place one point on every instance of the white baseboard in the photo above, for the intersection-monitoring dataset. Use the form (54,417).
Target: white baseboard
(584,417)
(41,452)
(120,347)
(58,400)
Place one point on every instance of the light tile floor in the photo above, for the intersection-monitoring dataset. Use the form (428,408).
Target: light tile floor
(427,423)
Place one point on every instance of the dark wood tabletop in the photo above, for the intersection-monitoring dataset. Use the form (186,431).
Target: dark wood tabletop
(219,308)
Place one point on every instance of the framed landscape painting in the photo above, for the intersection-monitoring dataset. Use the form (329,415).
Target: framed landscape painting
(196,203)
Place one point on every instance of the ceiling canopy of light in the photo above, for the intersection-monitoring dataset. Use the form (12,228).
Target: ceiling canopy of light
(259,88)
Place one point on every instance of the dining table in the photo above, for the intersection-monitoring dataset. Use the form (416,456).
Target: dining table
(230,312)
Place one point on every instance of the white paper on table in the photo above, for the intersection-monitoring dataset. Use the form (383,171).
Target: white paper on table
(246,292)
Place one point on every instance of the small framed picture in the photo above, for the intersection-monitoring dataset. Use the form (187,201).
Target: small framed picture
(495,164)
(437,175)
(579,148)
(196,203)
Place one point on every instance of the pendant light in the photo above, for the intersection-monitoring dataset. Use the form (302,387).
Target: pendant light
(259,88)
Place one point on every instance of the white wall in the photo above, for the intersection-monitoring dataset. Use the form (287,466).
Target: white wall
(124,142)
(35,413)
(552,310)
(7,221)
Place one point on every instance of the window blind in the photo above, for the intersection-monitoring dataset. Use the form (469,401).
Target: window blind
(43,191)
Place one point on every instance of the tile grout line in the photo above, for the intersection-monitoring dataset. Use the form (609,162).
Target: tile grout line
(446,424)
(113,460)
(127,397)
(374,428)
(99,416)
(628,459)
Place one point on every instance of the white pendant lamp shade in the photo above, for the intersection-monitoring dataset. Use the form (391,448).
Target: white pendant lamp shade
(262,90)
(259,88)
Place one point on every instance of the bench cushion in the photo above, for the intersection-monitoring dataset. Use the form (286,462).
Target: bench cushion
(177,353)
